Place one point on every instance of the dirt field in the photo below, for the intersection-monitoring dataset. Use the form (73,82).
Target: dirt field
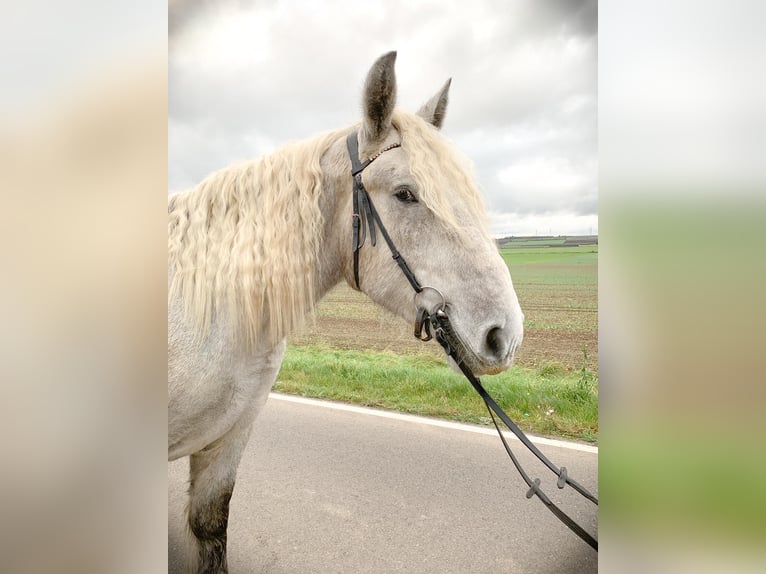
(557,289)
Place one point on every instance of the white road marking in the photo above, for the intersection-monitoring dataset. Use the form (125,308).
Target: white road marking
(429,421)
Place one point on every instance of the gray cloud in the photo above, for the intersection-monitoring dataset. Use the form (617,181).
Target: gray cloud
(246,77)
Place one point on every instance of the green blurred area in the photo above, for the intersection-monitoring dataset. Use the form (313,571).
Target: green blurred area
(663,479)
(683,384)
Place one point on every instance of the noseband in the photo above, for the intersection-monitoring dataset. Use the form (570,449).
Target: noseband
(366,216)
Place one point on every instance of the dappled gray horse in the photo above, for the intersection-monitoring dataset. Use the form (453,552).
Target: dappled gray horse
(255,246)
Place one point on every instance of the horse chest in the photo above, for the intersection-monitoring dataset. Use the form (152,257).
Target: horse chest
(211,392)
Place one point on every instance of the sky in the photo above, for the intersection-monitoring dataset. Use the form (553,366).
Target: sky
(248,76)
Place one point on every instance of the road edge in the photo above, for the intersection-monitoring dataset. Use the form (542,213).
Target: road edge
(334,405)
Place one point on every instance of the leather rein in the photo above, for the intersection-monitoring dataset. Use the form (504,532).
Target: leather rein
(366,217)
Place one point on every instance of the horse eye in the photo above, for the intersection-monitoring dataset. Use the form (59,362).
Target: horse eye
(405,196)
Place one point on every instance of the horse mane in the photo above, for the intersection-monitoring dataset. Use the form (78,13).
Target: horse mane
(244,242)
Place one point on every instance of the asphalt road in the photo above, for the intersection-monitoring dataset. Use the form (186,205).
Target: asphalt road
(321,490)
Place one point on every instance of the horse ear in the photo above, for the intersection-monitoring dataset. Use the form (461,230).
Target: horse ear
(379,97)
(434,110)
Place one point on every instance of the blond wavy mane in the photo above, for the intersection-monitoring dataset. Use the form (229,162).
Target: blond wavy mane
(244,242)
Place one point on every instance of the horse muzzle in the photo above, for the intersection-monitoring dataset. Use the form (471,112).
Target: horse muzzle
(492,355)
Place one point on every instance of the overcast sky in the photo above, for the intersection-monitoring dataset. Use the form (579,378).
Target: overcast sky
(249,76)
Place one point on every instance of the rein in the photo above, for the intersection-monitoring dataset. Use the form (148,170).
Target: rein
(365,215)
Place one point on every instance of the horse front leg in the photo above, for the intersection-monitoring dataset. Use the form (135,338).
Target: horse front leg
(213,469)
(212,474)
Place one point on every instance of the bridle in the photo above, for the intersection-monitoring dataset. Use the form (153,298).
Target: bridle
(365,214)
(366,217)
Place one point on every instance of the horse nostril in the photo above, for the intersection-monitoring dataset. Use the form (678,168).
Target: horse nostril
(497,342)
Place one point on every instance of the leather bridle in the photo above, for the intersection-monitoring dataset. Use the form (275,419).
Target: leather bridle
(366,217)
(365,214)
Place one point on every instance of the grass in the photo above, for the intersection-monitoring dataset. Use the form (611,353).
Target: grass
(551,400)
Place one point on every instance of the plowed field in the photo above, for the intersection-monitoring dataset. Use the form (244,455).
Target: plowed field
(557,289)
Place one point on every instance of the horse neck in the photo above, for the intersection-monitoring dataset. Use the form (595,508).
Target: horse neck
(335,204)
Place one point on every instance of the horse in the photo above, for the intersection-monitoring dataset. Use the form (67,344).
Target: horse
(254,247)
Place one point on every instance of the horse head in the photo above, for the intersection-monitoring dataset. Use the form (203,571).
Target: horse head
(428,202)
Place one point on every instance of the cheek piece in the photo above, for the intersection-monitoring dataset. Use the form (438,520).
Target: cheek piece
(365,215)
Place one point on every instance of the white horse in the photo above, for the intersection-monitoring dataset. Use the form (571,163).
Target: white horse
(254,247)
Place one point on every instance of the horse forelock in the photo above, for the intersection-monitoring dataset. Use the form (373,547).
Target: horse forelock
(446,185)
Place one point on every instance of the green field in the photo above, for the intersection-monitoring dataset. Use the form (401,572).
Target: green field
(558,292)
(355,352)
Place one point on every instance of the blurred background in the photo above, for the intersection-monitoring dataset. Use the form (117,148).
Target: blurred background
(84,174)
(682,210)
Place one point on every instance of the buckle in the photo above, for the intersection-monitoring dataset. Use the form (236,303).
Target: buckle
(422,323)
